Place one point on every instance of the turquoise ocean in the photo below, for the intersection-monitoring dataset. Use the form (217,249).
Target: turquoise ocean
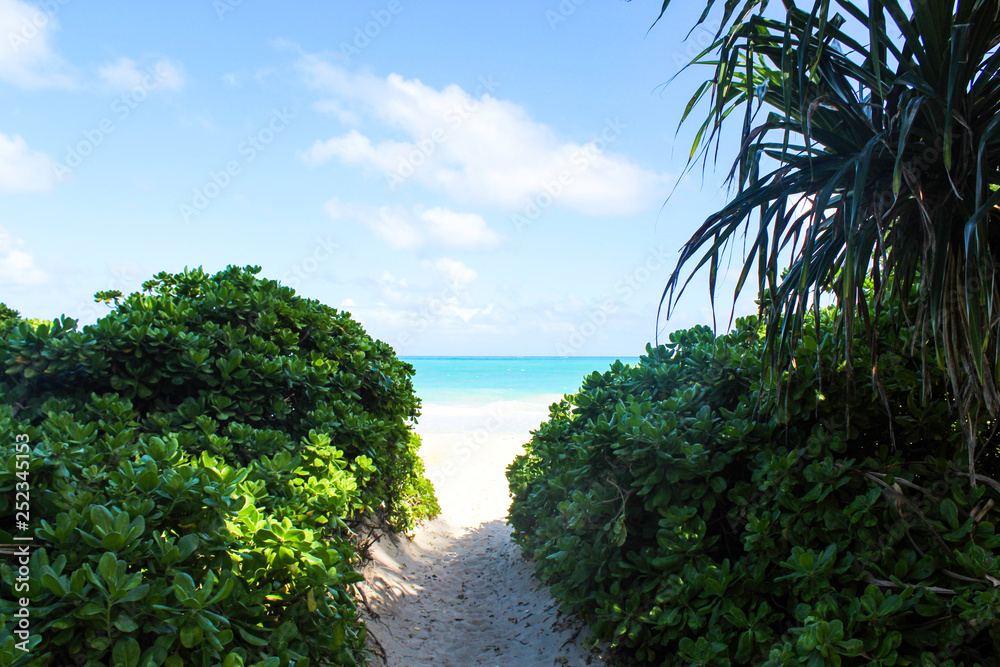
(471,404)
(481,380)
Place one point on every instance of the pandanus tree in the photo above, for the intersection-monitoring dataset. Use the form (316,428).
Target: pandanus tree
(868,168)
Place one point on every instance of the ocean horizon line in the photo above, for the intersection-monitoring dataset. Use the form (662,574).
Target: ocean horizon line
(479,380)
(528,356)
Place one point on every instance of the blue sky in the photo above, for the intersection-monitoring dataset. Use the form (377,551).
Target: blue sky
(464,178)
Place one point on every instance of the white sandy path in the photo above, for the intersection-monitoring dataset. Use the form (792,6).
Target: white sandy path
(459,592)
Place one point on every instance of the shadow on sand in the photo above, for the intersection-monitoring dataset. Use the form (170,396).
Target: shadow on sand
(464,596)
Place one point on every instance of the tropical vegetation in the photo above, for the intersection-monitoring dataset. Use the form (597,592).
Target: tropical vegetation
(818,486)
(869,151)
(694,516)
(204,466)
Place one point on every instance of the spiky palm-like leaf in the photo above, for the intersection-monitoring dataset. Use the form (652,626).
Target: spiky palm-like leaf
(870,151)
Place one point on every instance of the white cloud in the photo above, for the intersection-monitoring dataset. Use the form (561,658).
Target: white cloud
(22,169)
(392,289)
(412,228)
(393,227)
(442,304)
(334,108)
(353,148)
(126,74)
(459,230)
(475,147)
(458,274)
(26,56)
(17,264)
(237,79)
(391,224)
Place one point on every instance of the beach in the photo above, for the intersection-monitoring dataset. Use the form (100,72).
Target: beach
(458,592)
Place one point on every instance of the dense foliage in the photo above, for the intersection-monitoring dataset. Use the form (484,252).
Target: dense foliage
(203,463)
(869,151)
(697,518)
(9,318)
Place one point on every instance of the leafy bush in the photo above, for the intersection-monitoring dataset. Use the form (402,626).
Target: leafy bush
(697,518)
(202,462)
(8,319)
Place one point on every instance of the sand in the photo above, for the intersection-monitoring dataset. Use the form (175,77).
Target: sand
(458,592)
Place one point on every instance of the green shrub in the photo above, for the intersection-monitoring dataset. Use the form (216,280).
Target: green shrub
(8,319)
(697,519)
(202,460)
